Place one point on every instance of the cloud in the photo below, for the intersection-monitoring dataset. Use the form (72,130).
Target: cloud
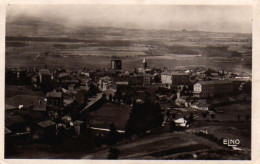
(173,17)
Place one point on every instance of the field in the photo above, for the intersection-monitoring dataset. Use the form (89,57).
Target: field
(32,42)
(20,95)
(187,144)
(109,113)
(37,43)
(183,145)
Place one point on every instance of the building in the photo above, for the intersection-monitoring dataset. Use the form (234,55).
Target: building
(78,127)
(81,96)
(147,80)
(180,79)
(55,99)
(144,63)
(144,68)
(166,78)
(175,78)
(121,78)
(46,130)
(15,123)
(110,91)
(45,76)
(16,76)
(204,89)
(103,82)
(116,64)
(136,80)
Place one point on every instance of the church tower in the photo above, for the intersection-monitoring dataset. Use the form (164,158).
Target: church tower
(144,63)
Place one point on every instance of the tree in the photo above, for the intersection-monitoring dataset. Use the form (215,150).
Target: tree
(172,126)
(212,116)
(110,97)
(143,117)
(204,115)
(191,117)
(173,116)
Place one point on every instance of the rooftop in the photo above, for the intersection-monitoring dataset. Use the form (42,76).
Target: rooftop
(45,71)
(46,123)
(214,82)
(11,120)
(54,93)
(7,131)
(174,73)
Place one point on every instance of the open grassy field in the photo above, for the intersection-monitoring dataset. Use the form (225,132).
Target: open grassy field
(182,145)
(61,46)
(20,95)
(109,113)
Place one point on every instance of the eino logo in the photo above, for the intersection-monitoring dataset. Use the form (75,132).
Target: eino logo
(231,142)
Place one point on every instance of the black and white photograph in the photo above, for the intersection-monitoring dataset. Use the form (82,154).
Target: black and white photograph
(128,82)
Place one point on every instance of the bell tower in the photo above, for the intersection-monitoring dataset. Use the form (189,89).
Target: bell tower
(144,63)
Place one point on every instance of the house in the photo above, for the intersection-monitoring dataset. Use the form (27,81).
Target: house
(65,83)
(122,83)
(7,132)
(46,130)
(181,122)
(121,78)
(45,76)
(147,80)
(110,91)
(182,100)
(78,126)
(81,96)
(55,99)
(15,123)
(136,80)
(31,116)
(180,79)
(200,104)
(203,89)
(166,78)
(175,78)
(16,76)
(40,105)
(116,64)
(103,82)
(84,86)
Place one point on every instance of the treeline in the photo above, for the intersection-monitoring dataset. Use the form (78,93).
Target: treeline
(143,117)
(41,39)
(16,44)
(179,49)
(216,51)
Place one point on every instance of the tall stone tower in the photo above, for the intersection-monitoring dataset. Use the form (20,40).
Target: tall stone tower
(116,64)
(144,63)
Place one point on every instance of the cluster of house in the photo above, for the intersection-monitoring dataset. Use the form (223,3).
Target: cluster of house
(87,87)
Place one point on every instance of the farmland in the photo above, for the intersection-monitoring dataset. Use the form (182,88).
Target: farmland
(57,45)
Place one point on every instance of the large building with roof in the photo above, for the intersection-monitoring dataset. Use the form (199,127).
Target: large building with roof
(45,76)
(175,78)
(203,89)
(54,98)
(116,64)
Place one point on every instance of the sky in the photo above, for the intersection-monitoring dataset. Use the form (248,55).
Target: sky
(168,17)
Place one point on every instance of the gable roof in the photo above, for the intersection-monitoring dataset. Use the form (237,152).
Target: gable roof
(54,93)
(214,82)
(46,123)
